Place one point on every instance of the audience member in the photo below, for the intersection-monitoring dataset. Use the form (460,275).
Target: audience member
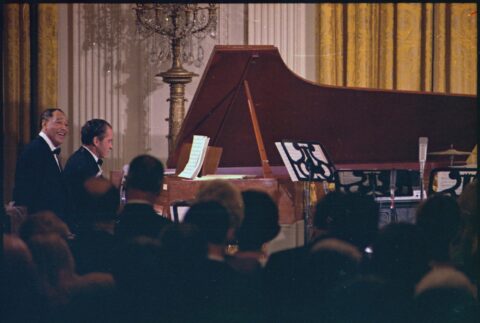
(227,195)
(140,278)
(365,299)
(93,246)
(213,221)
(184,251)
(349,217)
(446,295)
(56,268)
(220,286)
(445,277)
(330,263)
(44,223)
(400,256)
(39,183)
(20,294)
(440,221)
(144,184)
(86,162)
(259,226)
(467,254)
(182,272)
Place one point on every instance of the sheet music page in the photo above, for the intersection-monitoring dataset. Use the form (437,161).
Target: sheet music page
(290,170)
(445,182)
(196,158)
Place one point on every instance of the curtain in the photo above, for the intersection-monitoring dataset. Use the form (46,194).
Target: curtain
(404,46)
(29,77)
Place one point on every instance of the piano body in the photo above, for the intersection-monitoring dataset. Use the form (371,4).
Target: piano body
(360,128)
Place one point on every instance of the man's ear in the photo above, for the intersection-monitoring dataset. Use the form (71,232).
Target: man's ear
(96,141)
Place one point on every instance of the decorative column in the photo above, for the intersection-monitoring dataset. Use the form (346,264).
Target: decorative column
(176,77)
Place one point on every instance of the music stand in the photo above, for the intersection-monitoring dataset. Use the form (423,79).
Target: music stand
(306,162)
(454,180)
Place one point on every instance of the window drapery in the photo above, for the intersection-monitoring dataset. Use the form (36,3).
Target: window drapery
(29,77)
(404,46)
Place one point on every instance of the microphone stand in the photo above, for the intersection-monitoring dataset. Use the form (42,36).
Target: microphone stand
(393,179)
(307,193)
(422,185)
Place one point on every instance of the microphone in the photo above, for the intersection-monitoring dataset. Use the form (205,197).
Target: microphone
(422,152)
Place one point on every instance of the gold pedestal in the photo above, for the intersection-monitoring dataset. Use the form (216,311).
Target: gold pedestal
(177,77)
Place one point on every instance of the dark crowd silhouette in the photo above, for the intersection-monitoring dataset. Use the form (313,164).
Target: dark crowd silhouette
(125,263)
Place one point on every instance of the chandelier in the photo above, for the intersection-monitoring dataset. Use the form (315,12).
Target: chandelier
(181,28)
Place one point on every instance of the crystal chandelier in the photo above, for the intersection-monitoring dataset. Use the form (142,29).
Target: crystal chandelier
(180,28)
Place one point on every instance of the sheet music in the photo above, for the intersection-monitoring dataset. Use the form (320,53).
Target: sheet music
(196,158)
(285,160)
(305,161)
(444,181)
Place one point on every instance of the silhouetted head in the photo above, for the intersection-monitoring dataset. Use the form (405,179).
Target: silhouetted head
(351,217)
(212,219)
(145,173)
(400,255)
(227,195)
(260,223)
(44,222)
(439,219)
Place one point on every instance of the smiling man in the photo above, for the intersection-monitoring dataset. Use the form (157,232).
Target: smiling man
(39,183)
(86,162)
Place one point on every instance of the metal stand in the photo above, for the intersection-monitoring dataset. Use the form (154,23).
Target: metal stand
(307,203)
(422,184)
(307,162)
(393,187)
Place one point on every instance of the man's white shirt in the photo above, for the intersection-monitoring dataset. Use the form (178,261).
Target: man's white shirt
(51,146)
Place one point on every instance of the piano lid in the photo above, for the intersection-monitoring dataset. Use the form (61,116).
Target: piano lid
(354,125)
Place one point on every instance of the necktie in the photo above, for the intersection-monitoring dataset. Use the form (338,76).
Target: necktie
(56,154)
(99,162)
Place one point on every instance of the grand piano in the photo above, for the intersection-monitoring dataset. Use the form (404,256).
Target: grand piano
(360,128)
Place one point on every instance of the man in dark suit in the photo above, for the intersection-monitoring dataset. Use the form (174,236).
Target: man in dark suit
(86,162)
(351,218)
(39,183)
(143,186)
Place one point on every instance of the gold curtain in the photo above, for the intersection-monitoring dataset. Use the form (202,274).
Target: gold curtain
(18,110)
(405,46)
(47,56)
(17,88)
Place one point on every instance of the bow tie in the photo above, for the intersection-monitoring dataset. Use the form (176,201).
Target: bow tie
(57,151)
(99,162)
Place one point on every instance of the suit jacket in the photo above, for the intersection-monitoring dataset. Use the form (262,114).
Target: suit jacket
(39,183)
(138,219)
(80,166)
